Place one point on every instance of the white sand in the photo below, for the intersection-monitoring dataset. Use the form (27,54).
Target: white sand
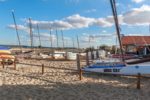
(60,82)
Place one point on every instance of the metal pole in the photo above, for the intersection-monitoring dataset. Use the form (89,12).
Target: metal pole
(16,27)
(57,37)
(114,11)
(39,34)
(31,35)
(51,40)
(78,42)
(62,38)
(73,42)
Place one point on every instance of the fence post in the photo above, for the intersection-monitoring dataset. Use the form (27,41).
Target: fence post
(3,64)
(14,64)
(139,81)
(97,53)
(78,67)
(87,59)
(42,68)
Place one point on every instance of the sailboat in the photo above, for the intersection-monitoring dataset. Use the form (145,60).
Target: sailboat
(117,68)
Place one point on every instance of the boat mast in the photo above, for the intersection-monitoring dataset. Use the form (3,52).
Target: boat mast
(57,37)
(78,42)
(51,40)
(73,42)
(31,35)
(16,27)
(114,11)
(62,38)
(39,34)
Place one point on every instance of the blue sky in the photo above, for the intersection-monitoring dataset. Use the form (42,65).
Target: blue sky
(90,19)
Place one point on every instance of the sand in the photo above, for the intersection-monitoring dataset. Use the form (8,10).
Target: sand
(61,82)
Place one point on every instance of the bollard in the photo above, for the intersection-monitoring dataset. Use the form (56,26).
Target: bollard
(87,59)
(78,62)
(139,81)
(14,64)
(78,67)
(80,74)
(42,68)
(3,64)
(97,54)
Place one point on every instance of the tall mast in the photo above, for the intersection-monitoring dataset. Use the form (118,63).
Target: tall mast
(39,34)
(31,35)
(114,11)
(51,39)
(16,27)
(149,28)
(57,37)
(78,42)
(62,38)
(73,42)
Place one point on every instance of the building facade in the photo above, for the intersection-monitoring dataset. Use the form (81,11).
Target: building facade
(136,44)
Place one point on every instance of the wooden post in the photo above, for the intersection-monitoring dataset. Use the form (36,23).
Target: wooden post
(3,63)
(139,81)
(42,68)
(14,64)
(92,55)
(87,59)
(97,53)
(78,67)
(80,74)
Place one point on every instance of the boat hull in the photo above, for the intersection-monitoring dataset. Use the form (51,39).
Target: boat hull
(124,70)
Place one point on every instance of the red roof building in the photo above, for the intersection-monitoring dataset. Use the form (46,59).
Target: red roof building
(136,44)
(136,40)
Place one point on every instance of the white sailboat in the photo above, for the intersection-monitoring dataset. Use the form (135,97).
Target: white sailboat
(117,68)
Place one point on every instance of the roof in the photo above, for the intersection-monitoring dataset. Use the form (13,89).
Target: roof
(137,40)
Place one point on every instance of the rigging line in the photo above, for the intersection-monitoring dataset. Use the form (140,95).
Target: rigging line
(145,43)
(73,42)
(78,42)
(39,34)
(89,41)
(149,28)
(62,38)
(31,35)
(113,6)
(51,39)
(16,27)
(57,37)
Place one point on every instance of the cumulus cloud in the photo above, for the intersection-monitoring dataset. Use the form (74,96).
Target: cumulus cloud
(138,1)
(19,27)
(71,22)
(138,16)
(78,21)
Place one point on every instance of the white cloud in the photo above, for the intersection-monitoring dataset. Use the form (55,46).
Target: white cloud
(138,16)
(138,1)
(103,22)
(19,27)
(71,22)
(78,21)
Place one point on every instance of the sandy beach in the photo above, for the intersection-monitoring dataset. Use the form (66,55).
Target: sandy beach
(61,82)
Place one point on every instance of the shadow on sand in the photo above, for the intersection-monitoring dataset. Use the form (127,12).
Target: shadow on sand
(79,90)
